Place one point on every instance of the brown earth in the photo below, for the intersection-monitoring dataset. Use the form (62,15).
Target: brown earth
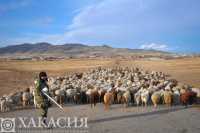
(15,75)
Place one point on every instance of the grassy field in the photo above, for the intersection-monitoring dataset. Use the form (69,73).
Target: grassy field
(16,75)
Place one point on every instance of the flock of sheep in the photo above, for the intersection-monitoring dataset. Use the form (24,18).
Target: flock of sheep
(119,85)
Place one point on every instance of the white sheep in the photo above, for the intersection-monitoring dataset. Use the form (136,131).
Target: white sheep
(26,98)
(32,91)
(61,95)
(70,93)
(144,96)
(6,104)
(3,104)
(197,91)
(137,98)
(126,97)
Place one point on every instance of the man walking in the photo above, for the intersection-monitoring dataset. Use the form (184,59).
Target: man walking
(43,102)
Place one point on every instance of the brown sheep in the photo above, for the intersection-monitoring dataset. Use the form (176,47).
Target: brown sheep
(156,96)
(115,97)
(108,100)
(94,97)
(188,97)
(101,95)
(167,98)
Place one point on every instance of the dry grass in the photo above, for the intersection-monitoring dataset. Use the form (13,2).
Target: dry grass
(15,75)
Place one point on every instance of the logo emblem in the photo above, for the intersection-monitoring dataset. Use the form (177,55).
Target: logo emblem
(7,125)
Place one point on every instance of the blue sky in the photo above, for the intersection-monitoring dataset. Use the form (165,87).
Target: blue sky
(171,25)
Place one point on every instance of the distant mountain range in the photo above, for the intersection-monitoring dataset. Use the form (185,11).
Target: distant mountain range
(44,49)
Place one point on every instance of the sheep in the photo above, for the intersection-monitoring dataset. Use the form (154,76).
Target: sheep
(61,96)
(6,104)
(17,98)
(137,98)
(79,75)
(70,94)
(196,90)
(184,88)
(188,97)
(126,98)
(77,98)
(144,97)
(101,94)
(182,91)
(3,104)
(94,97)
(184,98)
(167,98)
(88,93)
(115,101)
(168,87)
(192,97)
(108,100)
(119,97)
(26,98)
(83,97)
(85,87)
(155,98)
(32,93)
(176,97)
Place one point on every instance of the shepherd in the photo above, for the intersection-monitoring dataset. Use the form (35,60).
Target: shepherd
(43,102)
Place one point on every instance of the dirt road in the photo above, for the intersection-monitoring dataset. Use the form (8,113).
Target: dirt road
(163,119)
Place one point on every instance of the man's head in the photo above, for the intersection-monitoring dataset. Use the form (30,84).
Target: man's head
(43,76)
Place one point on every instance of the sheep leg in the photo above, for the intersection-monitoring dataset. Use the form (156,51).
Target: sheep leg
(99,99)
(24,103)
(2,108)
(59,99)
(94,103)
(105,106)
(109,106)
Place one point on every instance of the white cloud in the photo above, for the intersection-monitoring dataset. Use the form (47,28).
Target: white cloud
(128,23)
(155,46)
(108,21)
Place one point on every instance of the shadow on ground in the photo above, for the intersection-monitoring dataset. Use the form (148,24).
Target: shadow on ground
(164,111)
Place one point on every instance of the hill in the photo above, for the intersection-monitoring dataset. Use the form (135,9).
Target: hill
(44,49)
